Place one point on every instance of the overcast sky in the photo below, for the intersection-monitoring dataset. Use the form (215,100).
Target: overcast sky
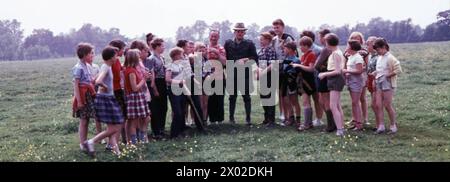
(163,17)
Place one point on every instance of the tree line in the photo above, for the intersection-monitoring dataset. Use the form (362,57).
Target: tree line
(43,43)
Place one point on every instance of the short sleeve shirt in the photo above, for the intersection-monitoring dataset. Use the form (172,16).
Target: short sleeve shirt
(80,71)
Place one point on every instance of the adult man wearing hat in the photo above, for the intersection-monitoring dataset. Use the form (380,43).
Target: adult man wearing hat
(240,50)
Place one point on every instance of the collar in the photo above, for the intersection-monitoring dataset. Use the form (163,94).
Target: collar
(238,41)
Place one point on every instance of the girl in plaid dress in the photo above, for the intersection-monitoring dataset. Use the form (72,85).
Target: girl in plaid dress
(137,108)
(144,52)
(107,108)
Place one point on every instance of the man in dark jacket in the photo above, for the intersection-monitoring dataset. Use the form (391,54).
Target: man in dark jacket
(240,51)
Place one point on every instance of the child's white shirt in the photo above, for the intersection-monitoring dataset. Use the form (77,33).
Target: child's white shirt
(382,65)
(353,60)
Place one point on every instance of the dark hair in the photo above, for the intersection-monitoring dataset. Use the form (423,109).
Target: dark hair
(182,43)
(381,42)
(119,44)
(84,49)
(126,50)
(156,43)
(309,34)
(278,22)
(109,52)
(354,45)
(272,32)
(149,37)
(332,39)
(291,45)
(137,44)
(324,32)
(214,30)
(306,41)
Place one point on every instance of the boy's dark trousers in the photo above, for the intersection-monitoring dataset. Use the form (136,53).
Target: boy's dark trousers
(178,125)
(158,107)
(216,110)
(269,111)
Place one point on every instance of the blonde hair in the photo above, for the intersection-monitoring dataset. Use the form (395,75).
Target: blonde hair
(357,34)
(198,45)
(132,58)
(371,39)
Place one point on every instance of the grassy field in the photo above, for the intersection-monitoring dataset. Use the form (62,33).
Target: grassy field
(36,122)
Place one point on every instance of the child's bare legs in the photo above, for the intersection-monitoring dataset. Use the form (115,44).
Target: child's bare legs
(287,107)
(114,141)
(379,108)
(341,112)
(204,106)
(98,128)
(117,135)
(375,109)
(82,130)
(131,129)
(363,100)
(127,134)
(335,109)
(111,129)
(295,104)
(356,109)
(387,103)
(325,100)
(144,129)
(317,106)
(280,97)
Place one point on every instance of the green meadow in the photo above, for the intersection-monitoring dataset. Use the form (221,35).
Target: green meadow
(36,121)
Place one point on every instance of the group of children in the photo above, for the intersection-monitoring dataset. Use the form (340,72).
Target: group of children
(125,96)
(113,95)
(322,74)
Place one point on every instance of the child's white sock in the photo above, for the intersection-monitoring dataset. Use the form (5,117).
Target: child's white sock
(340,132)
(394,128)
(381,127)
(90,145)
(90,141)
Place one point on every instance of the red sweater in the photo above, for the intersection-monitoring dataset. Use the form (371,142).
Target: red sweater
(116,68)
(127,73)
(308,58)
